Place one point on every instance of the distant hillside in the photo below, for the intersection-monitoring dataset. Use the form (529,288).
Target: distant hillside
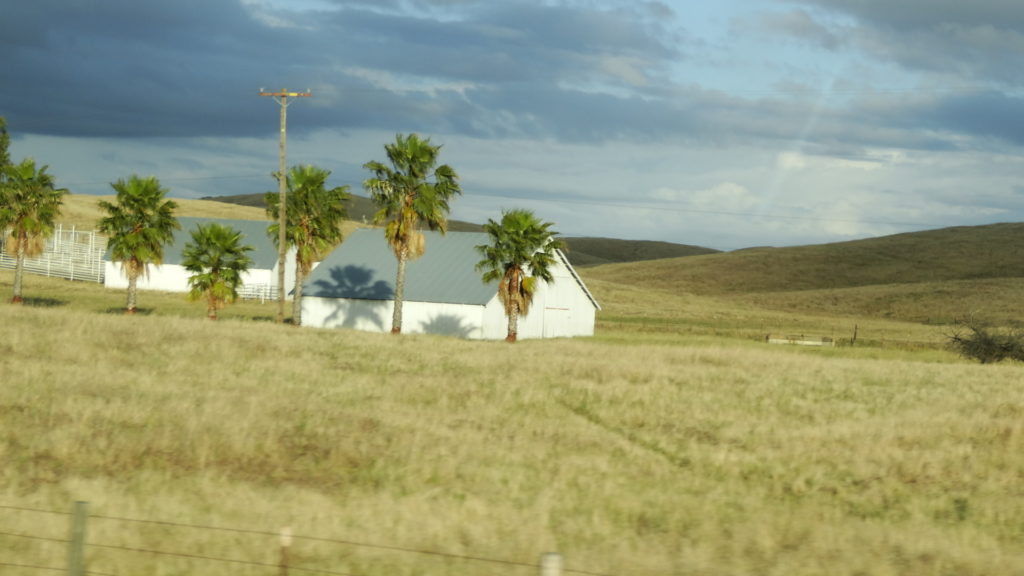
(597,251)
(581,251)
(960,253)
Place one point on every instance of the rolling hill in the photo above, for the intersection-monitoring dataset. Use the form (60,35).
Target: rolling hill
(934,276)
(959,253)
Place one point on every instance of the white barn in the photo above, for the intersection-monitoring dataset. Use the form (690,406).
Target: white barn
(171,276)
(444,294)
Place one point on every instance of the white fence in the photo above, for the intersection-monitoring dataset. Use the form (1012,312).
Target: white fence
(69,253)
(78,255)
(261,292)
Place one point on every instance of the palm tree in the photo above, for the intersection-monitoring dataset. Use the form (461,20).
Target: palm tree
(314,216)
(29,204)
(522,250)
(406,200)
(217,259)
(139,225)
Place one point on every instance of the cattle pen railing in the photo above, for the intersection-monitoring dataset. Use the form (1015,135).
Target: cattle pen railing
(69,253)
(103,545)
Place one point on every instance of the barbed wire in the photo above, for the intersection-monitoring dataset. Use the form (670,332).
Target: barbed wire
(50,568)
(30,537)
(215,559)
(445,555)
(30,566)
(24,509)
(357,544)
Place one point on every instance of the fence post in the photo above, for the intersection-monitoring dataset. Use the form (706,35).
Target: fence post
(76,545)
(286,543)
(551,564)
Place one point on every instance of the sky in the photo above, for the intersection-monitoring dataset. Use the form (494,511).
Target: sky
(725,124)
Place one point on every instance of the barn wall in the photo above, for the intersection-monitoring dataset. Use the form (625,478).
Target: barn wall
(495,323)
(168,277)
(463,321)
(566,309)
(174,277)
(560,310)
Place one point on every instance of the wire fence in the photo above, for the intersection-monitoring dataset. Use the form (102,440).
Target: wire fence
(104,550)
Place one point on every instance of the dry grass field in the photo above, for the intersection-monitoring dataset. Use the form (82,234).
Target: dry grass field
(673,442)
(82,211)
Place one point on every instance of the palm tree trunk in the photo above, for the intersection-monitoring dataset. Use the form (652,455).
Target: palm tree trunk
(211,307)
(396,318)
(19,270)
(513,313)
(297,295)
(513,325)
(133,276)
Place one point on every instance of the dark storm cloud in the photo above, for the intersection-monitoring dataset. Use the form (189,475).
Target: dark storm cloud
(192,68)
(990,115)
(981,40)
(127,68)
(569,71)
(505,42)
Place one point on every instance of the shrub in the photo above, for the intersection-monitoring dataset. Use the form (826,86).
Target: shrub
(974,339)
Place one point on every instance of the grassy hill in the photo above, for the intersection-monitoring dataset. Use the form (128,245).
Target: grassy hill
(935,276)
(585,251)
(961,253)
(81,210)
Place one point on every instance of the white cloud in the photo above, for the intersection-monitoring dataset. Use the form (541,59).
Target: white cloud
(791,161)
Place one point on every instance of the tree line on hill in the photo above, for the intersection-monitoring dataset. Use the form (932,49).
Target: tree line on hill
(409,192)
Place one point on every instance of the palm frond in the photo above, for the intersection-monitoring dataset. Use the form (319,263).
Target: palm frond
(520,253)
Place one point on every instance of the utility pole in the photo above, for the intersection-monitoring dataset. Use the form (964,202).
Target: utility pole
(282,186)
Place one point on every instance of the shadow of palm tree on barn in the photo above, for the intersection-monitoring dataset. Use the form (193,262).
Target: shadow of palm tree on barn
(354,283)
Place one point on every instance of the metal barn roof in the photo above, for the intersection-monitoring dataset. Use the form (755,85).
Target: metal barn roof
(254,233)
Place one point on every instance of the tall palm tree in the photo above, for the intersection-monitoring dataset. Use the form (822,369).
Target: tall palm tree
(139,225)
(522,250)
(217,260)
(314,216)
(406,200)
(29,204)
